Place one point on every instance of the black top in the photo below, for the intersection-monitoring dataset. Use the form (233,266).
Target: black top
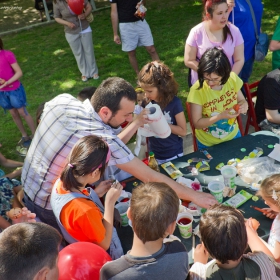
(126,10)
(268,94)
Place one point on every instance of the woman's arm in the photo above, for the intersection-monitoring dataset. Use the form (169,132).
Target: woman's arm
(181,127)
(238,58)
(64,22)
(200,122)
(87,11)
(17,75)
(190,57)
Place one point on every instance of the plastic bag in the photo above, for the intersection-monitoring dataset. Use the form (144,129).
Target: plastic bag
(141,10)
(254,170)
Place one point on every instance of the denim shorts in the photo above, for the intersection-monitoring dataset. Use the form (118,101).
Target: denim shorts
(13,99)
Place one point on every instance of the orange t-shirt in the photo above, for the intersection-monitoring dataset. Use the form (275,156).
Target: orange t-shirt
(82,218)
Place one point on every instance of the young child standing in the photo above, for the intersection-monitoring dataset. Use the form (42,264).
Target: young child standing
(78,209)
(212,98)
(270,192)
(161,88)
(12,94)
(153,212)
(224,237)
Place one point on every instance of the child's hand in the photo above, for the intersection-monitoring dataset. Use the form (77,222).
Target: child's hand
(103,187)
(243,107)
(250,229)
(228,114)
(114,193)
(200,254)
(270,213)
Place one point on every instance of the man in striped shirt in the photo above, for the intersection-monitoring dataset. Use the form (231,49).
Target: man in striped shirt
(65,120)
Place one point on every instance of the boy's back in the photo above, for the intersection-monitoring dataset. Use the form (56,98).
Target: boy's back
(171,262)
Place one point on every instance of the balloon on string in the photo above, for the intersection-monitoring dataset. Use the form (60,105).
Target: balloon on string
(81,261)
(76,6)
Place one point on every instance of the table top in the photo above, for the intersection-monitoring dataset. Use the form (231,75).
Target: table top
(220,153)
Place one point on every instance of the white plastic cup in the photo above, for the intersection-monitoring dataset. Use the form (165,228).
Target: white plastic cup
(216,189)
(185,229)
(229,173)
(122,208)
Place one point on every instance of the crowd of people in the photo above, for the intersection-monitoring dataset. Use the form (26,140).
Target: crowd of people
(79,143)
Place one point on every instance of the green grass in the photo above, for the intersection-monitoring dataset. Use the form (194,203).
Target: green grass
(49,67)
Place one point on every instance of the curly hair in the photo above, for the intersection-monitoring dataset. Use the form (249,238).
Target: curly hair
(157,74)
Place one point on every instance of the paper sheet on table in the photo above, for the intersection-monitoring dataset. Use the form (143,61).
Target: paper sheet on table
(159,127)
(275,154)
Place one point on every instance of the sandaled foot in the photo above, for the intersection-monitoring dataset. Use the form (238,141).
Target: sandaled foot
(84,78)
(95,77)
(24,142)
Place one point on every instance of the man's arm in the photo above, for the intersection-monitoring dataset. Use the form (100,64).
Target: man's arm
(115,22)
(145,174)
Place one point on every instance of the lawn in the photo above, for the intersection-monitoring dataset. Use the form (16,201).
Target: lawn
(49,67)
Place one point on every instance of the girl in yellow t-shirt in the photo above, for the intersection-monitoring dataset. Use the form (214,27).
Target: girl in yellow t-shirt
(214,98)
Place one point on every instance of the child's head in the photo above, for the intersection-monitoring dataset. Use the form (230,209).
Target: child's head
(1,44)
(90,154)
(29,251)
(213,67)
(223,233)
(158,82)
(153,208)
(86,93)
(270,191)
(140,95)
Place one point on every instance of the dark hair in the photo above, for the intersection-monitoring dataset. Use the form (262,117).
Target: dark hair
(157,74)
(209,7)
(1,44)
(86,156)
(26,248)
(154,206)
(39,112)
(214,60)
(110,93)
(86,93)
(223,233)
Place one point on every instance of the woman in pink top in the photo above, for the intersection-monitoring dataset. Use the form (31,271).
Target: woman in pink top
(214,31)
(12,95)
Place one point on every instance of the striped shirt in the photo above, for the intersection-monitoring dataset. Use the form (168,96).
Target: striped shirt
(64,121)
(267,266)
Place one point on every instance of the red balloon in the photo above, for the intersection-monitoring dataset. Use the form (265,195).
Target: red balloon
(76,6)
(81,261)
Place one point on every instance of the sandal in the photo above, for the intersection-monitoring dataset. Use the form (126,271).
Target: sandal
(95,77)
(24,142)
(84,78)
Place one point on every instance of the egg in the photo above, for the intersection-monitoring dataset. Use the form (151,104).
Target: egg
(14,213)
(255,224)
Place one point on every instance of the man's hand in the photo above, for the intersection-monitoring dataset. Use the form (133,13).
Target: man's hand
(142,118)
(117,39)
(204,200)
(103,187)
(200,254)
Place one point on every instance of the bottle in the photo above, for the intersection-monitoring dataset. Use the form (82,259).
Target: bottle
(152,162)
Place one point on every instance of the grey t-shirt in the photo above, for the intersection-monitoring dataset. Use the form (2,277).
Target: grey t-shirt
(170,262)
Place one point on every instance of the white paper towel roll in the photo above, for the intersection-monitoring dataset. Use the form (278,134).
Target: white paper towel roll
(159,127)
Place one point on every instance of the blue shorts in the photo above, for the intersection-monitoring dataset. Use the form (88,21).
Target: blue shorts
(13,99)
(200,146)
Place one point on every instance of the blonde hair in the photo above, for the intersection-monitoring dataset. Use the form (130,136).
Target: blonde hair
(270,188)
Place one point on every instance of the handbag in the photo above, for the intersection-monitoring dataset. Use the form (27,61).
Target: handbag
(261,47)
(89,18)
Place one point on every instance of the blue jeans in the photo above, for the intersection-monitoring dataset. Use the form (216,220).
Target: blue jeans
(46,216)
(202,147)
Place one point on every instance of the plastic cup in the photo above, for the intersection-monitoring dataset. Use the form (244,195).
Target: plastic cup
(216,189)
(125,199)
(229,173)
(184,222)
(122,208)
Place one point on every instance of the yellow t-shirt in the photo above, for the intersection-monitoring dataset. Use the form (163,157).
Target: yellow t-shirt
(214,102)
